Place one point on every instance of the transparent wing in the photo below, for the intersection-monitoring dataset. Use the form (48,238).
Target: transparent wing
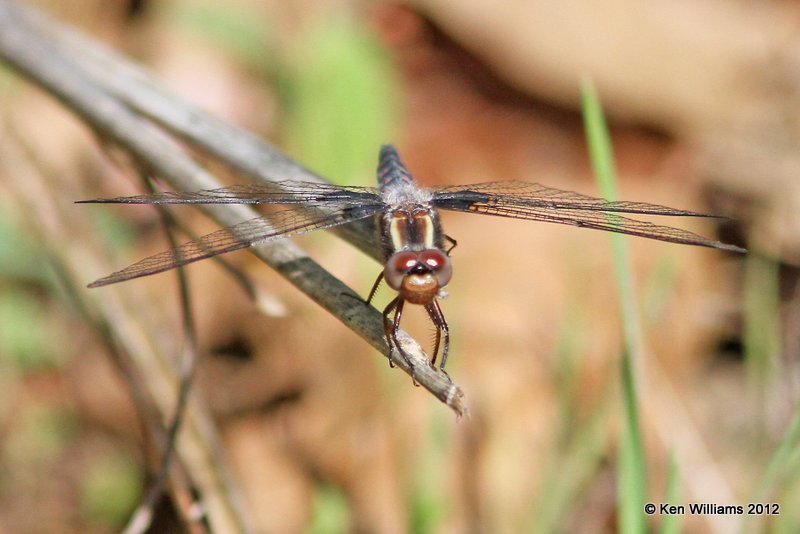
(286,192)
(598,220)
(524,195)
(245,234)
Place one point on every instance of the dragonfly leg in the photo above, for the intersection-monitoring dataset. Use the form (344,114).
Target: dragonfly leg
(437,317)
(435,320)
(387,327)
(375,287)
(372,292)
(453,244)
(390,330)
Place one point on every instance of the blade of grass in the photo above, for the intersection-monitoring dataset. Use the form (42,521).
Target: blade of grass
(632,476)
(762,326)
(779,469)
(671,523)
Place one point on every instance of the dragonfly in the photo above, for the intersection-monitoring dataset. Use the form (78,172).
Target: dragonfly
(414,247)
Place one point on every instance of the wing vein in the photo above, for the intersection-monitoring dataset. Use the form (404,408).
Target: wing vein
(287,192)
(598,221)
(245,234)
(524,195)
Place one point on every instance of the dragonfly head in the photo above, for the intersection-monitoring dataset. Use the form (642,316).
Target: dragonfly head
(418,276)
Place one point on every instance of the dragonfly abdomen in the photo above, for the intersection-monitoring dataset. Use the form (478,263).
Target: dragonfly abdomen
(391,171)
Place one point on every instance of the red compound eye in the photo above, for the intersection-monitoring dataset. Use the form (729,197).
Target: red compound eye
(433,259)
(439,264)
(398,266)
(403,262)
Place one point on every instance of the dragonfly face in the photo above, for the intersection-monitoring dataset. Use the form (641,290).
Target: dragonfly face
(419,277)
(412,239)
(417,264)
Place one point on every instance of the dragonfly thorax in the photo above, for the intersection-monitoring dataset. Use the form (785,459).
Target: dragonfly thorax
(419,276)
(406,193)
(410,227)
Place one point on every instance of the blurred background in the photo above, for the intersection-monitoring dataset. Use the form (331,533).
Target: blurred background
(703,100)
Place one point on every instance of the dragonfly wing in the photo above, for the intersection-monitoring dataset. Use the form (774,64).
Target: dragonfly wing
(287,192)
(523,195)
(249,233)
(587,218)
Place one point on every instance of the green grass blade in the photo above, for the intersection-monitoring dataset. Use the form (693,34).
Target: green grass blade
(762,324)
(632,476)
(781,467)
(671,524)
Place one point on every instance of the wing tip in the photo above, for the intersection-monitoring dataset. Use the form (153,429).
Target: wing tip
(100,282)
(730,248)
